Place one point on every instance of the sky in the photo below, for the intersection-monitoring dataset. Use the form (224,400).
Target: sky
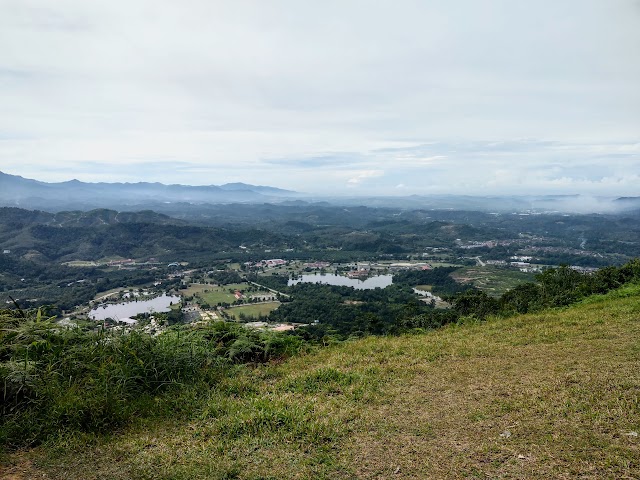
(340,97)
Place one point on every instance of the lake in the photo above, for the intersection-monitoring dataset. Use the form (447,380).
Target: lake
(125,310)
(378,281)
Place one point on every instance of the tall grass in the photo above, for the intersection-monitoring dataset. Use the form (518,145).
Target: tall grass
(56,380)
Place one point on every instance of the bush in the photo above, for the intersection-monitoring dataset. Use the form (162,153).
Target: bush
(57,379)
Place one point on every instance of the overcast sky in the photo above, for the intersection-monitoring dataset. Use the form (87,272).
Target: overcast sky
(355,97)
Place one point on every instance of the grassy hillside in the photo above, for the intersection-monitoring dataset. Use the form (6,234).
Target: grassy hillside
(549,395)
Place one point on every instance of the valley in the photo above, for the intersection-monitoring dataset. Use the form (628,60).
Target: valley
(71,260)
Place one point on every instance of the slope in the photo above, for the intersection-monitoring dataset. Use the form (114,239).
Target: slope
(549,395)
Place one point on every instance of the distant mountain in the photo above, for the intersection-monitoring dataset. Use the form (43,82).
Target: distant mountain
(185,200)
(499,203)
(25,218)
(628,203)
(22,192)
(244,187)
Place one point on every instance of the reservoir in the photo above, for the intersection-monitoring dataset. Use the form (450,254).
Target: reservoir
(379,281)
(124,311)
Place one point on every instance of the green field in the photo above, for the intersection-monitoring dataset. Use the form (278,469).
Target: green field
(547,395)
(80,263)
(221,294)
(491,279)
(443,264)
(425,288)
(216,294)
(253,310)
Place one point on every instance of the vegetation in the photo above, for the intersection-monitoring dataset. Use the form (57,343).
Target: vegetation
(493,280)
(259,311)
(56,380)
(43,245)
(546,395)
(440,280)
(64,383)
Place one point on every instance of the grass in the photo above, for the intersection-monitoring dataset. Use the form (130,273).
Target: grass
(220,294)
(254,310)
(196,288)
(493,280)
(79,263)
(425,288)
(548,395)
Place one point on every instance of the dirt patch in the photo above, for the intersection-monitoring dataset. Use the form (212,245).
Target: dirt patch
(20,468)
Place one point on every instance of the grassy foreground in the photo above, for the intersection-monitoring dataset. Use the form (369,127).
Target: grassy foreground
(549,395)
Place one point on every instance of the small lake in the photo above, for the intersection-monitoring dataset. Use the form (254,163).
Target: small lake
(125,310)
(378,281)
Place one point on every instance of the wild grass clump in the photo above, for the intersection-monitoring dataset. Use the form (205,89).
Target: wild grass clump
(56,380)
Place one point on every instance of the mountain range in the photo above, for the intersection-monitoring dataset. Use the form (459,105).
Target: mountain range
(180,200)
(22,192)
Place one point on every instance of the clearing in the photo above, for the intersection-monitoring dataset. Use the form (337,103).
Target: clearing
(493,280)
(253,310)
(212,294)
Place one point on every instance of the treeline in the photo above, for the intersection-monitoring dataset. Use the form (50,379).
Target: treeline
(553,288)
(439,278)
(339,311)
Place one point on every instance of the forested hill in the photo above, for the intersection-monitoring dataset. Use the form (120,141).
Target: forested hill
(102,233)
(20,218)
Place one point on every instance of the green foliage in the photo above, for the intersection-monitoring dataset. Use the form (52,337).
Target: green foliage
(226,277)
(475,303)
(56,379)
(344,311)
(440,279)
(556,287)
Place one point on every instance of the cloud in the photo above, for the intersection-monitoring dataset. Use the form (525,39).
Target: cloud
(470,97)
(364,175)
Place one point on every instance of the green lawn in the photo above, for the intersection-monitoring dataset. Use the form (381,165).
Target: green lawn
(196,288)
(253,310)
(221,294)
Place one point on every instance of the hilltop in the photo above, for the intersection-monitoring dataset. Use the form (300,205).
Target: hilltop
(546,395)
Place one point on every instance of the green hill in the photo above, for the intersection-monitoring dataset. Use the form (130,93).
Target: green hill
(548,395)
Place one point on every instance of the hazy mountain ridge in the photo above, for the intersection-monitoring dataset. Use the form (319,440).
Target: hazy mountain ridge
(16,191)
(73,194)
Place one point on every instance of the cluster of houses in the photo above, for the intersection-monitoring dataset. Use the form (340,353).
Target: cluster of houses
(274,262)
(488,244)
(317,265)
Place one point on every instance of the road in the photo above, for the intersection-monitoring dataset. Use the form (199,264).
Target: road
(270,289)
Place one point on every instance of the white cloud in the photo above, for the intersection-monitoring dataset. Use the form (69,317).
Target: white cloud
(364,175)
(437,95)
